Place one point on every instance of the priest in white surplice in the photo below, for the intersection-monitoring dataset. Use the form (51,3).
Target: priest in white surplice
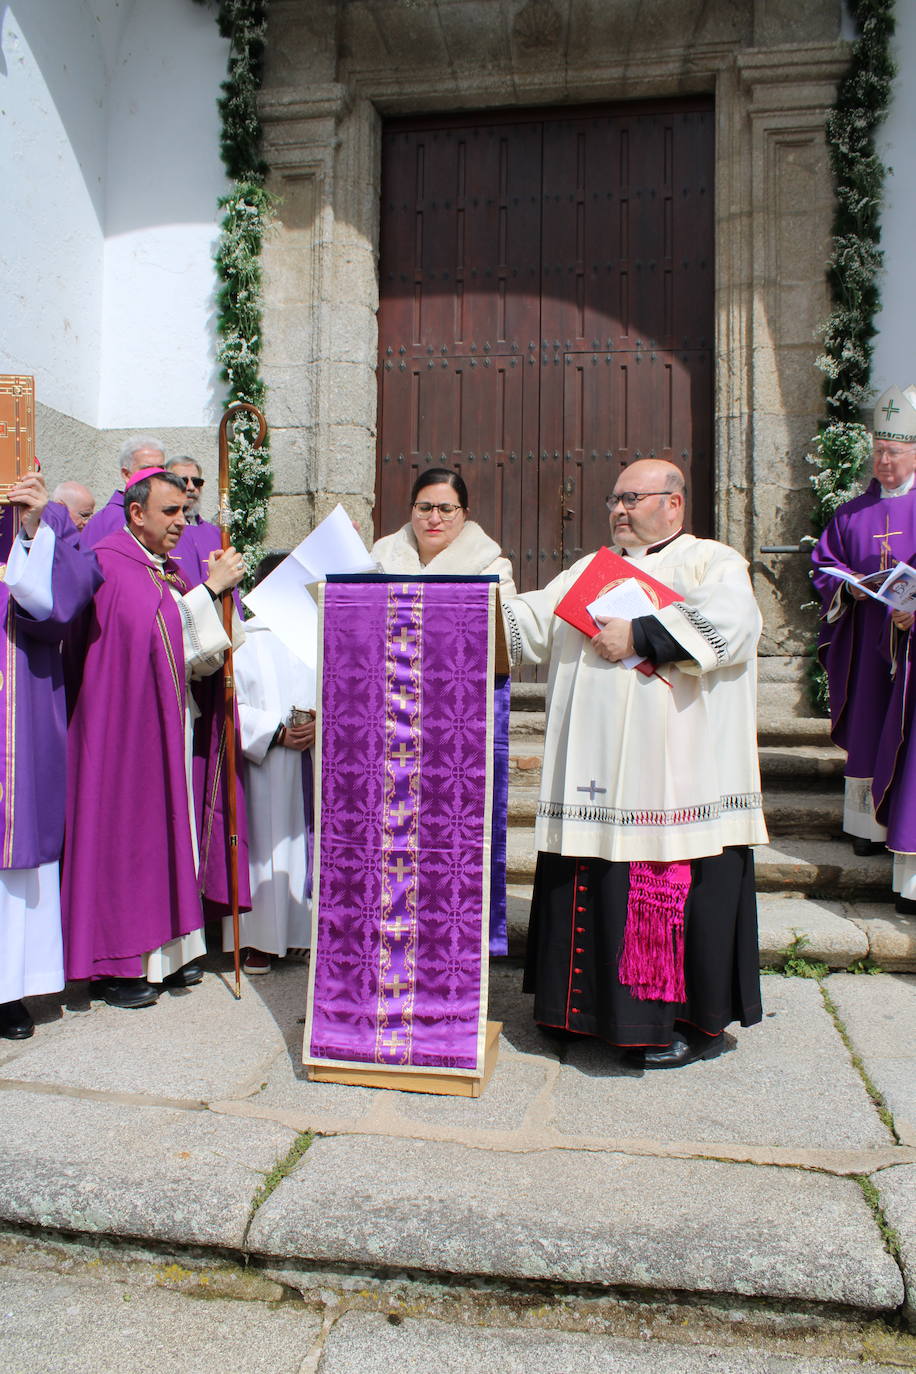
(643,928)
(130,893)
(275,691)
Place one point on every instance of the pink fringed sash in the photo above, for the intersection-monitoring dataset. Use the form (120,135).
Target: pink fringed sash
(652,958)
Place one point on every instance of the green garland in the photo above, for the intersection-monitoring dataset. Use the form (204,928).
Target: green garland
(858,176)
(842,448)
(248,208)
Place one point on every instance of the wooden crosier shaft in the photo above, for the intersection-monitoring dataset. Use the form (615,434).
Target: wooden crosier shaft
(228,671)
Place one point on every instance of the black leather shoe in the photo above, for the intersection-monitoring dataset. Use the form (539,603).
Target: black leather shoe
(863,849)
(184,977)
(679,1053)
(128,993)
(15,1021)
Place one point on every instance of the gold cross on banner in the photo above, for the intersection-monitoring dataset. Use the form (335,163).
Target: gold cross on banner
(886,543)
(401,868)
(396,987)
(402,755)
(404,640)
(393,1042)
(403,699)
(400,812)
(399,928)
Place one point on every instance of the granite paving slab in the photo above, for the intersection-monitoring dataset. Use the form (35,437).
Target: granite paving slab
(759,1092)
(829,935)
(285,1087)
(891,936)
(879,1013)
(897,1193)
(581,1217)
(196,1044)
(503,1106)
(86,1326)
(367,1343)
(157,1172)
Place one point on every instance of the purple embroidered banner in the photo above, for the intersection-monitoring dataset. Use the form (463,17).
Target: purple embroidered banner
(403,843)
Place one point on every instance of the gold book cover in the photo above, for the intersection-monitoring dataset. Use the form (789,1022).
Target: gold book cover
(17,429)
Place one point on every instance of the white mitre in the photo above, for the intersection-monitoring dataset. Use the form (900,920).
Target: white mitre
(895,415)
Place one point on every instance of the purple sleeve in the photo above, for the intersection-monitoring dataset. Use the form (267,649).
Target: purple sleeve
(830,552)
(75,576)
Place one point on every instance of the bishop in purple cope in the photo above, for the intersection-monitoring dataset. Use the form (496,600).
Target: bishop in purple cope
(46,582)
(874,531)
(132,883)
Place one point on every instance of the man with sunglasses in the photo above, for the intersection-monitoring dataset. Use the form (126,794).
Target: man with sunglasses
(200,537)
(643,925)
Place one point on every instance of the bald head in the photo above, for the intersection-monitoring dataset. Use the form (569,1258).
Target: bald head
(647,504)
(78,499)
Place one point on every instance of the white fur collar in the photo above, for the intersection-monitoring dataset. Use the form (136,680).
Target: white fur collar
(470,552)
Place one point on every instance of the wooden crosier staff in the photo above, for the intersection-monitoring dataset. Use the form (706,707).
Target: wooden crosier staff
(225,516)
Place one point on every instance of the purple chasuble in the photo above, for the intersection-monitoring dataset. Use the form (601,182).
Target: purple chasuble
(855,649)
(33,707)
(129,879)
(402,874)
(106,521)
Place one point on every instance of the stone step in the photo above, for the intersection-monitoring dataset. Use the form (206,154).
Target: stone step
(838,934)
(793,866)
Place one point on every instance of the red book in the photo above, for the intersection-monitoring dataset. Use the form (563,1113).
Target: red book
(606,570)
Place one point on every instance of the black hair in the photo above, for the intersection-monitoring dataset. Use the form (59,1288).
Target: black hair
(138,493)
(268,563)
(432,477)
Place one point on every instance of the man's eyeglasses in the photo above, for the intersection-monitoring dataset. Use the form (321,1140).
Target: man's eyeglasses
(629,499)
(446,509)
(194,482)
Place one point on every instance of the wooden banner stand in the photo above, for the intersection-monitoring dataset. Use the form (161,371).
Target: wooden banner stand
(414,1080)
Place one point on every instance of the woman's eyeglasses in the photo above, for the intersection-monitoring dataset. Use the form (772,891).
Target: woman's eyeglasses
(446,509)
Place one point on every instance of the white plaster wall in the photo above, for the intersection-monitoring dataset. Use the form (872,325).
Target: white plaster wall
(109,153)
(164,179)
(53,150)
(895,343)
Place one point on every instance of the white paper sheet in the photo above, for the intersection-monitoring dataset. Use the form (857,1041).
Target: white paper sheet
(283,599)
(626,601)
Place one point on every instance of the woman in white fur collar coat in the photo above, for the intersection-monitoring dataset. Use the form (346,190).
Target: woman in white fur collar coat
(439,537)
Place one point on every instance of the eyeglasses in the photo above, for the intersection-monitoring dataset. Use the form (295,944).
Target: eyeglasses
(629,499)
(194,482)
(446,509)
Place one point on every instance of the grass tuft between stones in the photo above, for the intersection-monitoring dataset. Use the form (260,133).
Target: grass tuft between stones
(876,1096)
(282,1169)
(888,1234)
(792,962)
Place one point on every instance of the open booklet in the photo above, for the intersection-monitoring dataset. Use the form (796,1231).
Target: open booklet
(895,586)
(283,599)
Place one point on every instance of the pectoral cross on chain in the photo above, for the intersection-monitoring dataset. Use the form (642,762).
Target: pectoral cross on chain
(886,538)
(593,789)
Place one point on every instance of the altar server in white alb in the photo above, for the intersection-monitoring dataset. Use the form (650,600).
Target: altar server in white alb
(644,925)
(274,689)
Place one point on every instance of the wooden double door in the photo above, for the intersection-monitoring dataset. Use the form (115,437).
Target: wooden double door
(546,316)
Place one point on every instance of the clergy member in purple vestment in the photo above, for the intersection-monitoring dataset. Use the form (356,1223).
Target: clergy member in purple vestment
(140,451)
(130,892)
(47,581)
(198,541)
(872,532)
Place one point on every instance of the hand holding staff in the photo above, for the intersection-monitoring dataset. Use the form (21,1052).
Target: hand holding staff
(228,559)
